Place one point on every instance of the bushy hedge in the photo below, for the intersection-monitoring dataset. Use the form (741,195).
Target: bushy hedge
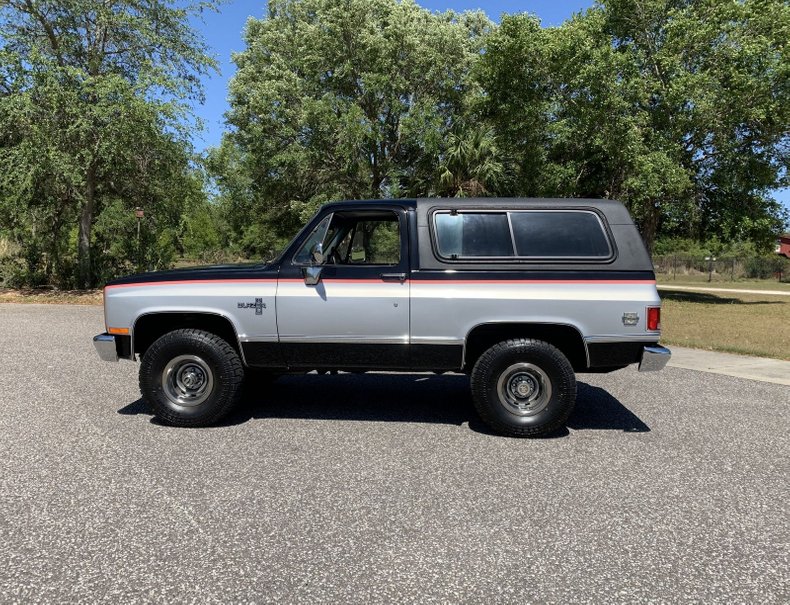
(770,266)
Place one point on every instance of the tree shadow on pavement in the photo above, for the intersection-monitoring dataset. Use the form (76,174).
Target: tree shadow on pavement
(440,399)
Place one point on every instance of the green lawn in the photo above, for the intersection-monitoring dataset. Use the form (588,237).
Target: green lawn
(719,282)
(750,324)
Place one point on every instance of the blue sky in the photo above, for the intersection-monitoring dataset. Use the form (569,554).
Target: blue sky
(223,34)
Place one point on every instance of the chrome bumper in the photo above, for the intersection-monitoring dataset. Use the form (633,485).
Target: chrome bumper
(654,358)
(105,347)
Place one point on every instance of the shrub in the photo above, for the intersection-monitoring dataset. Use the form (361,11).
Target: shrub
(764,267)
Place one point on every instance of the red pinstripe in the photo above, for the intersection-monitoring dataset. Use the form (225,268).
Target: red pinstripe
(448,282)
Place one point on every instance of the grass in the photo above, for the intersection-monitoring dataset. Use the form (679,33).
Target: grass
(51,297)
(749,324)
(719,282)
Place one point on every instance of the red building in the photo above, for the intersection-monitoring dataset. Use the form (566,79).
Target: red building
(783,245)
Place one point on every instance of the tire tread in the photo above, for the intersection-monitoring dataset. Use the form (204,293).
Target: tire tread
(527,346)
(229,378)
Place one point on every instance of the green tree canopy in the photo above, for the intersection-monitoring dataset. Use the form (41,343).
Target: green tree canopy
(349,99)
(93,117)
(680,109)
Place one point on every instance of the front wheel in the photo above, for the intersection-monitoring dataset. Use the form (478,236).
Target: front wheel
(191,378)
(523,388)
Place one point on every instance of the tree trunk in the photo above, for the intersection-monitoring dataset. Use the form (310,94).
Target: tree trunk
(85,271)
(649,226)
(375,177)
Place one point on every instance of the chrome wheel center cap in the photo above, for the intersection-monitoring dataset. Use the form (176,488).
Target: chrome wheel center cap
(192,379)
(524,389)
(522,386)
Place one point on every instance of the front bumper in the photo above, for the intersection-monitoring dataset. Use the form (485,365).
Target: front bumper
(105,347)
(654,358)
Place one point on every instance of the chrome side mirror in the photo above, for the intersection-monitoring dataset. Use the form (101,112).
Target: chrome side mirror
(312,275)
(317,254)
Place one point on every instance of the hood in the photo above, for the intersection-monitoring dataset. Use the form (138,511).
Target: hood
(208,272)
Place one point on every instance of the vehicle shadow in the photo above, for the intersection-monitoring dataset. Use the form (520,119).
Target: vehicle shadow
(712,299)
(598,409)
(441,399)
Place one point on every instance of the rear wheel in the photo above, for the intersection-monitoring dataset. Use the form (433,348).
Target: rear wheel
(191,378)
(523,388)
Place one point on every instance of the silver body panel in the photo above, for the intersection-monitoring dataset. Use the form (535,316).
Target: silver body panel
(377,312)
(125,304)
(436,303)
(343,311)
(445,312)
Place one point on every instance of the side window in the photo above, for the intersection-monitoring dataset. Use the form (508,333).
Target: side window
(355,238)
(524,234)
(368,239)
(559,234)
(473,234)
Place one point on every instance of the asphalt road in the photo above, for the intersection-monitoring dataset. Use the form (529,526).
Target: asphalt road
(670,487)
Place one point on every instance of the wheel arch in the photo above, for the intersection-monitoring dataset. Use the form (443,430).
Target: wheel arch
(564,336)
(151,325)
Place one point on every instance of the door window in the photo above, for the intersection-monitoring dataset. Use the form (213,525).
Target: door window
(356,238)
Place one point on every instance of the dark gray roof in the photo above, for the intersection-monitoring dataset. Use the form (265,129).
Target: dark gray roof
(614,211)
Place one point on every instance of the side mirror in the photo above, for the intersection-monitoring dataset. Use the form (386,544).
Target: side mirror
(312,275)
(317,254)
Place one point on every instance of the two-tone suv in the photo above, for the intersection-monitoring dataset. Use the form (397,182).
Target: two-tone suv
(518,293)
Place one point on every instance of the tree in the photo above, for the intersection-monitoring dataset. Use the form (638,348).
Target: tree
(717,75)
(349,99)
(471,165)
(93,114)
(514,73)
(679,109)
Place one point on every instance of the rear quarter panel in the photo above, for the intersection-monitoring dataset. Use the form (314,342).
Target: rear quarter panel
(444,312)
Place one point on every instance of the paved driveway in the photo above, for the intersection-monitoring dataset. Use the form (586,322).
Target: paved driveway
(382,488)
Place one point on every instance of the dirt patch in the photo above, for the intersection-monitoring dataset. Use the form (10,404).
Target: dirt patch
(51,297)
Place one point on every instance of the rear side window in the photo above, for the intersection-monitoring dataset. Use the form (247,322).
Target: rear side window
(473,234)
(559,234)
(528,234)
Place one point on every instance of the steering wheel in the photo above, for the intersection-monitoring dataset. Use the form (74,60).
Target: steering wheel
(334,257)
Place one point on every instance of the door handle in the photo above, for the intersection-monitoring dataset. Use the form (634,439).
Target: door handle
(401,277)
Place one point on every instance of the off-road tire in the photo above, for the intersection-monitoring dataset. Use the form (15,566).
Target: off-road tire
(552,365)
(219,357)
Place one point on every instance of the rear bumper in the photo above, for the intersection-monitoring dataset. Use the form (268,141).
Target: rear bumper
(654,358)
(105,347)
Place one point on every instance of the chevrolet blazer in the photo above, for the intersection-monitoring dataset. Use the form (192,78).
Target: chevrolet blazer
(520,294)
